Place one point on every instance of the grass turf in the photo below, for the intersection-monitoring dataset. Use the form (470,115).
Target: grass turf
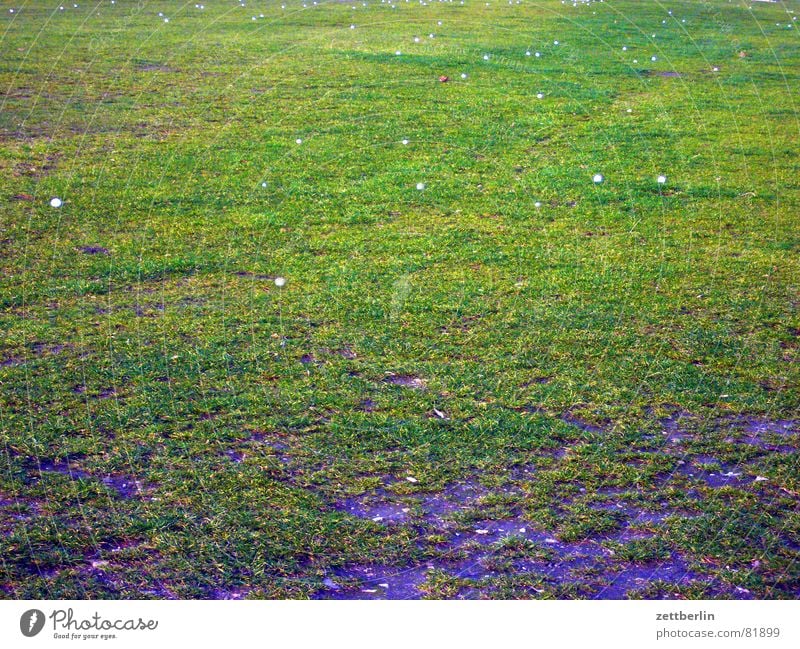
(511,383)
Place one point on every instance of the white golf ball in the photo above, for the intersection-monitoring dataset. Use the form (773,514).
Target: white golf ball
(661,180)
(420,186)
(56,202)
(280,281)
(597,179)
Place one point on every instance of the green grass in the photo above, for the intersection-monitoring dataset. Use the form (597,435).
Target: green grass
(525,297)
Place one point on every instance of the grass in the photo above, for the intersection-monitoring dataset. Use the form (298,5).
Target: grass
(173,424)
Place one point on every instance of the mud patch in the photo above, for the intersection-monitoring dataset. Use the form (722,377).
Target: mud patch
(375,582)
(14,511)
(769,435)
(435,509)
(234,456)
(66,468)
(251,275)
(94,250)
(11,361)
(378,509)
(510,552)
(149,66)
(48,349)
(479,550)
(715,474)
(229,594)
(274,440)
(764,426)
(539,380)
(674,427)
(119,564)
(406,381)
(619,585)
(123,487)
(574,420)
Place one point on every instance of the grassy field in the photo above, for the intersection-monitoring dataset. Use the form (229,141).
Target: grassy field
(486,375)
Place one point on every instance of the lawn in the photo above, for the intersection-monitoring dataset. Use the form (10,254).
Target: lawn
(485,376)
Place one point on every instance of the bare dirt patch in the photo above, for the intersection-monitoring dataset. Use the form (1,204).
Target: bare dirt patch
(406,381)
